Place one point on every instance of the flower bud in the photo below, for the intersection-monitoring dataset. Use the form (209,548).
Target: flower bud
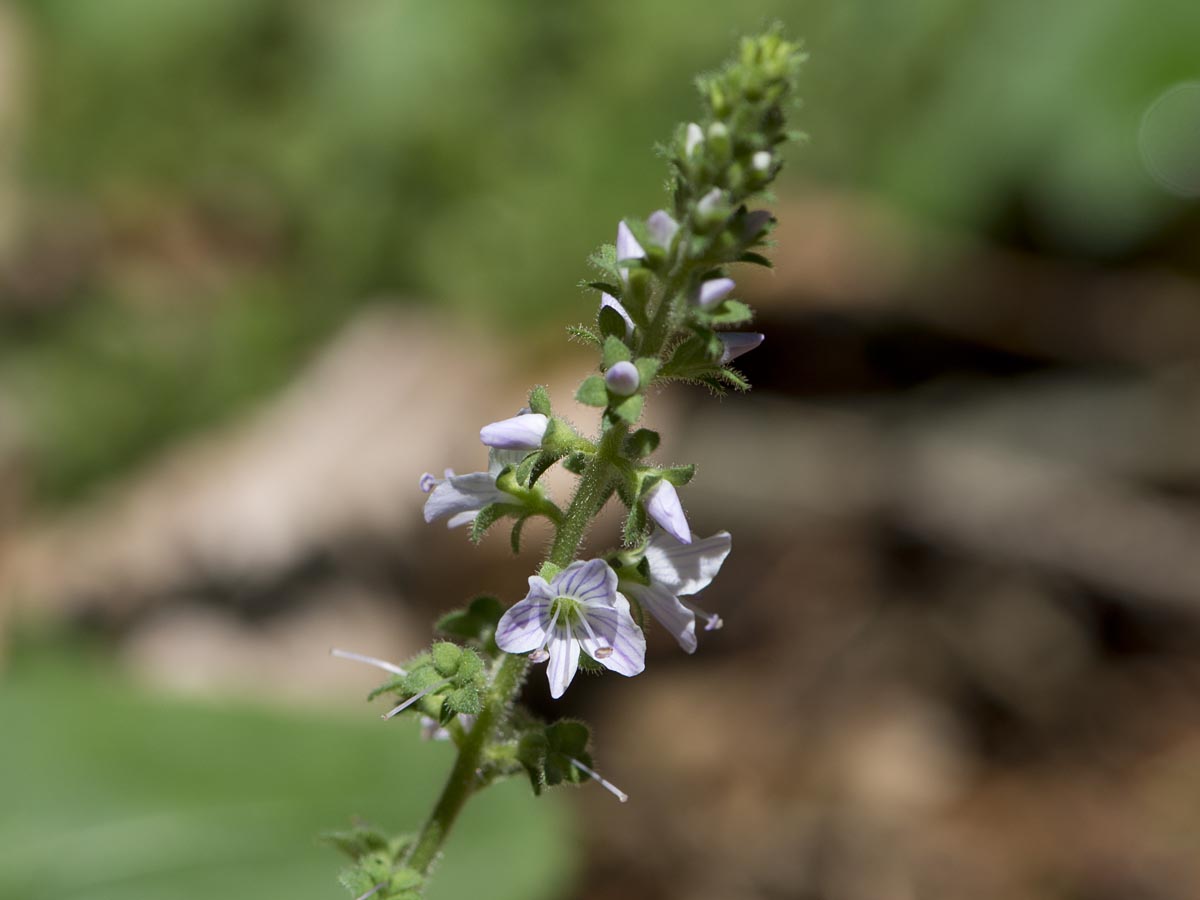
(718,142)
(693,140)
(662,228)
(736,343)
(663,506)
(761,162)
(523,432)
(713,291)
(623,378)
(711,207)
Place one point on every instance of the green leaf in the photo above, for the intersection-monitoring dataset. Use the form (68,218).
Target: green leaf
(756,258)
(615,351)
(604,287)
(647,367)
(476,623)
(611,324)
(515,537)
(629,409)
(446,657)
(592,392)
(583,334)
(489,516)
(731,312)
(641,443)
(357,841)
(678,475)
(541,463)
(568,736)
(635,525)
(539,400)
(575,462)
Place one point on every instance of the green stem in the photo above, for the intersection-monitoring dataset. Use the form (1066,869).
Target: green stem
(461,782)
(590,496)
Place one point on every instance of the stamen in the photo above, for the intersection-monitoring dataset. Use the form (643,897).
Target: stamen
(604,651)
(540,655)
(604,782)
(428,482)
(369,660)
(415,697)
(712,622)
(373,891)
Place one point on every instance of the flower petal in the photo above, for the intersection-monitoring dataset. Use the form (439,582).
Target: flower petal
(590,582)
(523,432)
(613,303)
(498,459)
(564,660)
(523,626)
(670,613)
(714,291)
(686,568)
(462,518)
(627,245)
(663,506)
(615,630)
(461,493)
(736,343)
(662,228)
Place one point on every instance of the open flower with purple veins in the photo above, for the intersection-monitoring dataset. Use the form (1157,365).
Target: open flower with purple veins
(579,609)
(461,497)
(675,571)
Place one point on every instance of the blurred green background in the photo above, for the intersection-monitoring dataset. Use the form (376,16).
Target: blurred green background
(208,189)
(195,198)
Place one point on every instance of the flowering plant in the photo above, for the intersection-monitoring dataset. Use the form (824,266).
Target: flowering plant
(666,314)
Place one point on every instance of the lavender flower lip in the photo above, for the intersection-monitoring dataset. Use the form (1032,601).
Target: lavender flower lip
(523,432)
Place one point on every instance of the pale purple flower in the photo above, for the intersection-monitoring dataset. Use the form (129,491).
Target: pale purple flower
(679,570)
(709,203)
(522,432)
(663,506)
(735,343)
(579,609)
(662,228)
(623,378)
(713,291)
(693,139)
(461,497)
(627,248)
(615,304)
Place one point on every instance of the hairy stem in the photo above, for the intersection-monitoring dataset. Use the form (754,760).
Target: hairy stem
(461,782)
